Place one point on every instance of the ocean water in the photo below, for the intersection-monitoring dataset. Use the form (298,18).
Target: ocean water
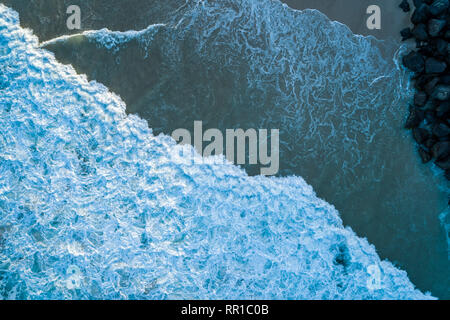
(94,205)
(339,99)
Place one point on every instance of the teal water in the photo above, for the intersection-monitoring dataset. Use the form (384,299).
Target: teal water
(338,99)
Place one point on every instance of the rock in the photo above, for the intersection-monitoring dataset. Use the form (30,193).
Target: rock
(441,47)
(433,65)
(430,85)
(427,51)
(424,155)
(441,92)
(421,135)
(430,116)
(441,130)
(430,143)
(447,176)
(445,79)
(435,26)
(407,34)
(414,61)
(441,150)
(422,80)
(405,6)
(415,118)
(420,98)
(435,103)
(444,164)
(443,109)
(417,3)
(420,32)
(438,7)
(421,14)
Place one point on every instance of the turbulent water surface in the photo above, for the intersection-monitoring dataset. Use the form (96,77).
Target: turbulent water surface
(338,99)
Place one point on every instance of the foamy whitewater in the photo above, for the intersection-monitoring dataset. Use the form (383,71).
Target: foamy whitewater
(93,205)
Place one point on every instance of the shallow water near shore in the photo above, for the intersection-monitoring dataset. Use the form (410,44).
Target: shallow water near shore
(339,101)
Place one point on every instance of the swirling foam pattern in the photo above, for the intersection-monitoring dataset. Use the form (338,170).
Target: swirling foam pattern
(92,205)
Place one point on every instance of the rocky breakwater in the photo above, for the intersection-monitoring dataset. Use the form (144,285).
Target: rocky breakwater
(429,117)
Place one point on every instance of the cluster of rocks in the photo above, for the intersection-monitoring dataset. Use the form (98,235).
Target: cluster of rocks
(429,116)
